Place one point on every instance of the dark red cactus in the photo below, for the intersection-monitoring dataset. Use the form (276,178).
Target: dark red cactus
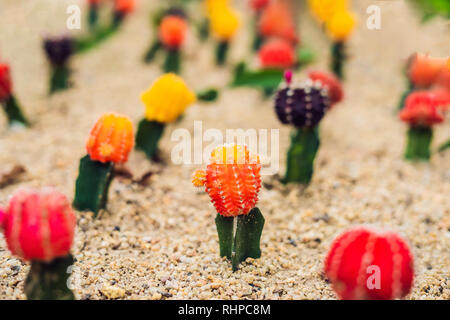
(364,264)
(303,106)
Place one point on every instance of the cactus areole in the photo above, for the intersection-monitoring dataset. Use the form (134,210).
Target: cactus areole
(364,264)
(302,106)
(110,142)
(39,227)
(232,180)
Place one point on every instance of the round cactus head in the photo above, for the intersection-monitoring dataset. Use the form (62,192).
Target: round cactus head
(167,98)
(277,54)
(323,10)
(39,225)
(424,70)
(276,21)
(111,139)
(258,5)
(302,106)
(124,7)
(224,22)
(340,26)
(59,49)
(331,83)
(172,31)
(5,82)
(421,108)
(232,179)
(364,264)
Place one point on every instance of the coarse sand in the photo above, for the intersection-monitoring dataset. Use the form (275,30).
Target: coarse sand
(159,241)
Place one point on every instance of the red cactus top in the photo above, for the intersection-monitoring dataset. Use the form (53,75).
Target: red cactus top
(331,83)
(5,82)
(258,5)
(124,6)
(364,264)
(39,225)
(94,2)
(421,109)
(172,31)
(424,70)
(277,53)
(276,21)
(232,179)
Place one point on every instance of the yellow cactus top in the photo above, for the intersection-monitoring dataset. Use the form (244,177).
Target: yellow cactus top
(213,5)
(224,22)
(233,154)
(167,98)
(323,10)
(341,25)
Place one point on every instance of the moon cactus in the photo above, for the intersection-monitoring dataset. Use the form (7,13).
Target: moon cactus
(165,100)
(302,106)
(39,227)
(364,264)
(8,100)
(109,143)
(232,179)
(421,112)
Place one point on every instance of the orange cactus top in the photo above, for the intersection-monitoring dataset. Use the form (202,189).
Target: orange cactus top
(124,6)
(111,139)
(424,70)
(421,109)
(232,179)
(172,31)
(276,21)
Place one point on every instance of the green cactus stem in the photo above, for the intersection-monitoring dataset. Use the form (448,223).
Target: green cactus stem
(59,78)
(239,237)
(305,143)
(93,16)
(203,30)
(13,112)
(257,41)
(173,61)
(419,141)
(208,95)
(49,281)
(148,135)
(152,51)
(405,95)
(444,146)
(92,185)
(222,52)
(338,57)
(97,36)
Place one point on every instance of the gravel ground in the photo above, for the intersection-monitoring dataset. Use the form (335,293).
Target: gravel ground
(148,245)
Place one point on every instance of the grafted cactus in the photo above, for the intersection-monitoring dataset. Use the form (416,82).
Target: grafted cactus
(364,264)
(110,142)
(302,106)
(232,180)
(39,227)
